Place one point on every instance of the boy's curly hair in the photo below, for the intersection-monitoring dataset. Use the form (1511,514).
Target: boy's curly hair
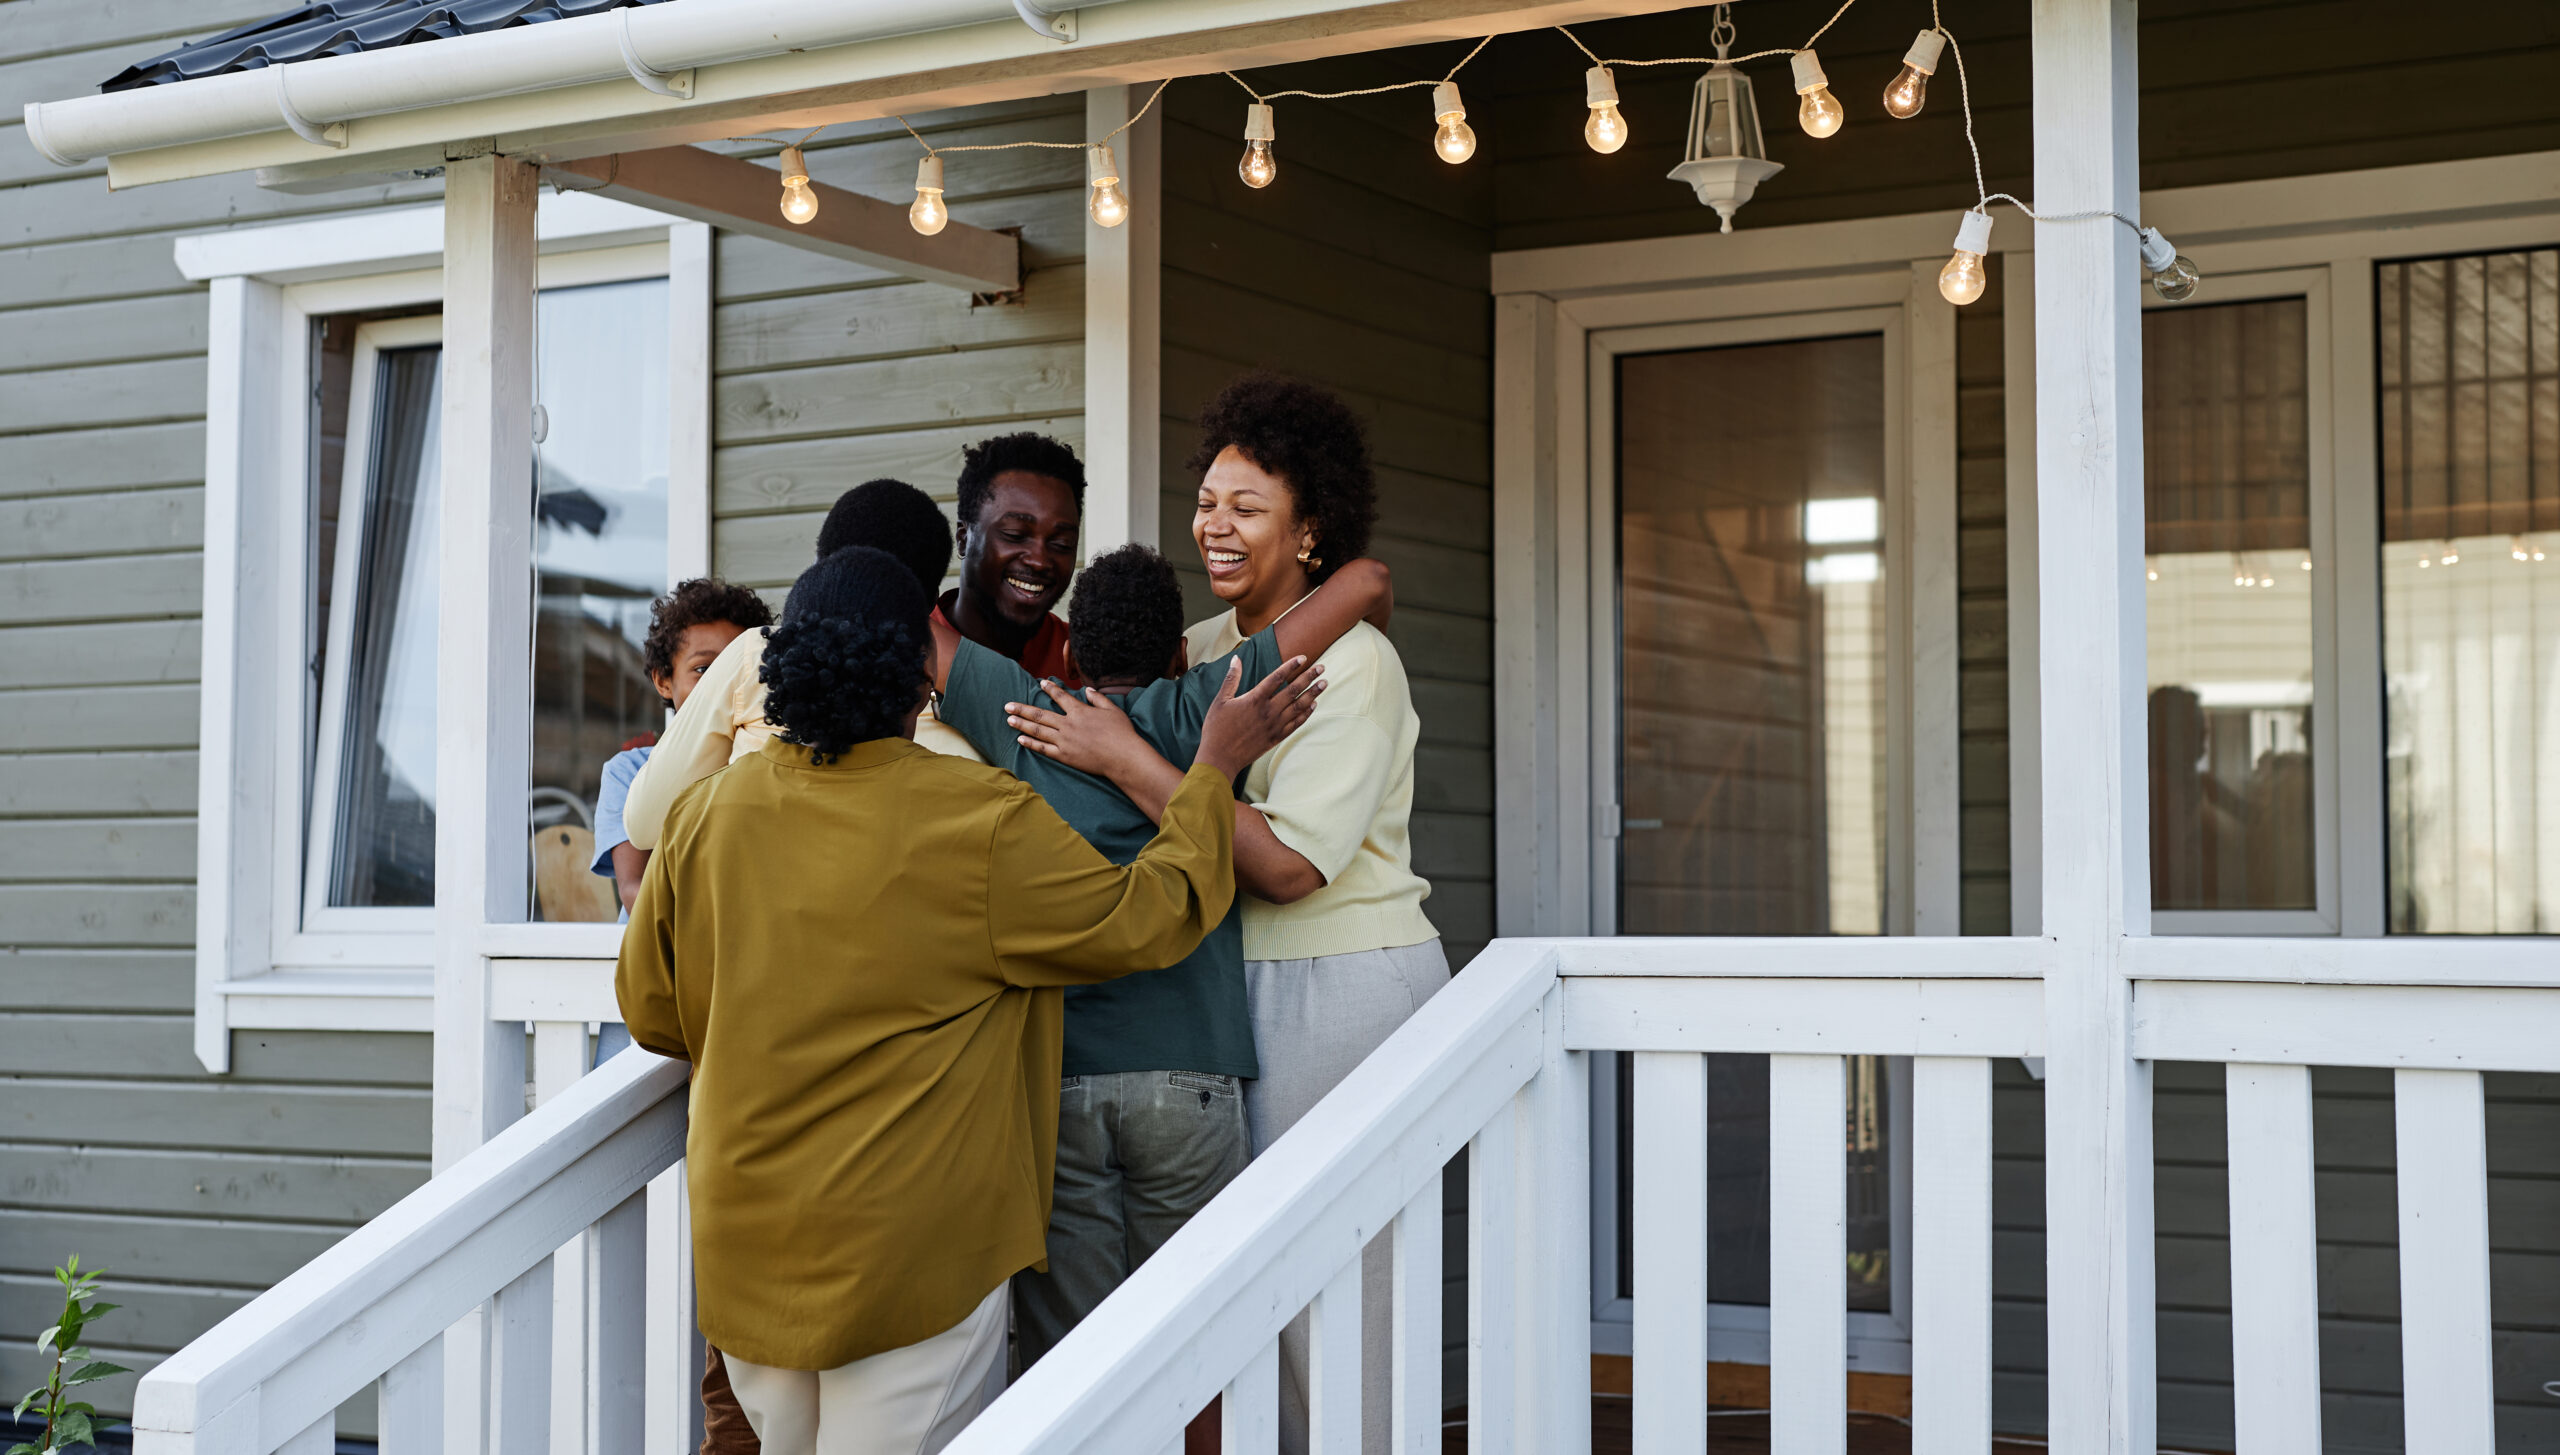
(848,662)
(982,462)
(1311,440)
(1126,616)
(698,602)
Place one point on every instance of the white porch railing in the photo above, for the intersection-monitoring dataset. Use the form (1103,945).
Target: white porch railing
(1496,1063)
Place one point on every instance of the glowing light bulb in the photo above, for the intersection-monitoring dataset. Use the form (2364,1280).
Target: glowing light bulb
(1455,141)
(1962,280)
(1606,130)
(2173,276)
(1108,206)
(1909,89)
(2150,569)
(2451,557)
(1819,112)
(799,204)
(2306,563)
(2516,550)
(1256,167)
(928,215)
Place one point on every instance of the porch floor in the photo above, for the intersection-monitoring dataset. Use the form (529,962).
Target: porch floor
(1731,1432)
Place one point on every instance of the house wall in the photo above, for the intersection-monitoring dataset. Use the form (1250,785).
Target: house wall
(193,1191)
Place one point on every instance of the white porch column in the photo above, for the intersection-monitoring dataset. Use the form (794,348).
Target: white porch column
(2095,862)
(1123,405)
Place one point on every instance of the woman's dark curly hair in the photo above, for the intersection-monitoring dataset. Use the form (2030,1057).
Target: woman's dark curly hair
(1126,616)
(698,602)
(848,662)
(1310,439)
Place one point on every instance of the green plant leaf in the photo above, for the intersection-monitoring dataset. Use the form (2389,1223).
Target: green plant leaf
(44,1341)
(92,1315)
(74,1429)
(94,1371)
(24,1450)
(33,1395)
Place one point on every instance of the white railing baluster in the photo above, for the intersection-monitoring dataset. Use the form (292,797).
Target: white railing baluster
(1950,1255)
(674,1357)
(1492,1297)
(1416,1361)
(518,1376)
(559,1059)
(2444,1261)
(617,1329)
(2275,1266)
(321,1438)
(1808,1255)
(1249,1412)
(409,1403)
(1552,1281)
(1670,1156)
(1333,1366)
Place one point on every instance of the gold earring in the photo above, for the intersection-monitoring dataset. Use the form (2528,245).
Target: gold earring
(1307,556)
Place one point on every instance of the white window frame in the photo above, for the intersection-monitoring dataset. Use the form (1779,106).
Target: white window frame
(263,961)
(2315,237)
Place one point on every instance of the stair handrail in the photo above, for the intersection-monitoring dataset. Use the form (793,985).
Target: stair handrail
(296,1352)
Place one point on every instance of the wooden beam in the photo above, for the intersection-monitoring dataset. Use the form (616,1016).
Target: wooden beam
(741,196)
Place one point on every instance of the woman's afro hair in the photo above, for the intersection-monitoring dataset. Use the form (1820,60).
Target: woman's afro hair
(698,602)
(1310,439)
(847,665)
(1126,616)
(892,516)
(1038,454)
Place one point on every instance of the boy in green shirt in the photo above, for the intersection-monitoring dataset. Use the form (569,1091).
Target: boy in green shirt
(1151,1113)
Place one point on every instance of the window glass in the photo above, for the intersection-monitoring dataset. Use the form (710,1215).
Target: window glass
(2227,535)
(383,849)
(2469,379)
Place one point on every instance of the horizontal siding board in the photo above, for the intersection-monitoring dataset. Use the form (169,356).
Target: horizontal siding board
(378,1121)
(97,783)
(1256,257)
(1453,645)
(128,522)
(123,980)
(143,393)
(156,1316)
(90,333)
(1293,338)
(236,1253)
(992,386)
(78,208)
(100,717)
(1456,713)
(161,850)
(100,915)
(912,318)
(107,654)
(162,1047)
(184,1182)
(1456,844)
(122,267)
(48,26)
(133,457)
(69,591)
(806,476)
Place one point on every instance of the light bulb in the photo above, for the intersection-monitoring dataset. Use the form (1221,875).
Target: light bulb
(2306,563)
(1606,129)
(928,215)
(1256,167)
(1909,88)
(1455,141)
(1962,280)
(2173,277)
(799,204)
(1108,206)
(1819,112)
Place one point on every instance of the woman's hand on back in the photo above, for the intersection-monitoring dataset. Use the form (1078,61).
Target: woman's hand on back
(1241,727)
(1088,732)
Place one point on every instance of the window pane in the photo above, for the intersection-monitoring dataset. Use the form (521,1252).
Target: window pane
(2226,505)
(1752,762)
(1752,659)
(2469,373)
(600,555)
(384,851)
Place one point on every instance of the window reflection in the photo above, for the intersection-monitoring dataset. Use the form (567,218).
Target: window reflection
(2226,505)
(2469,374)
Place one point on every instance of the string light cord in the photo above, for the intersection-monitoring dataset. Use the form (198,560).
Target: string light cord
(1264,99)
(1719,60)
(1070,146)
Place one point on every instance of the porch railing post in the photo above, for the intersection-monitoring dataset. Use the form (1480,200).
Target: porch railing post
(2100,1359)
(484,635)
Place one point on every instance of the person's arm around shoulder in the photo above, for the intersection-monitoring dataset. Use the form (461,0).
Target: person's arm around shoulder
(644,977)
(1362,590)
(696,744)
(1058,913)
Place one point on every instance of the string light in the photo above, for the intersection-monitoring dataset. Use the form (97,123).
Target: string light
(1256,168)
(1606,129)
(1455,141)
(1108,206)
(1909,89)
(799,204)
(1962,280)
(927,215)
(1819,113)
(2172,276)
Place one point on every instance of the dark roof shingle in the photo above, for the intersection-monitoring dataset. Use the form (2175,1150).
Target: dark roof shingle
(344,27)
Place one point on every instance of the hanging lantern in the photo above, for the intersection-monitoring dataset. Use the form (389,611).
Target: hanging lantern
(1727,158)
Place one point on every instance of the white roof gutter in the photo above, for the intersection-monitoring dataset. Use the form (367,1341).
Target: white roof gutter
(654,45)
